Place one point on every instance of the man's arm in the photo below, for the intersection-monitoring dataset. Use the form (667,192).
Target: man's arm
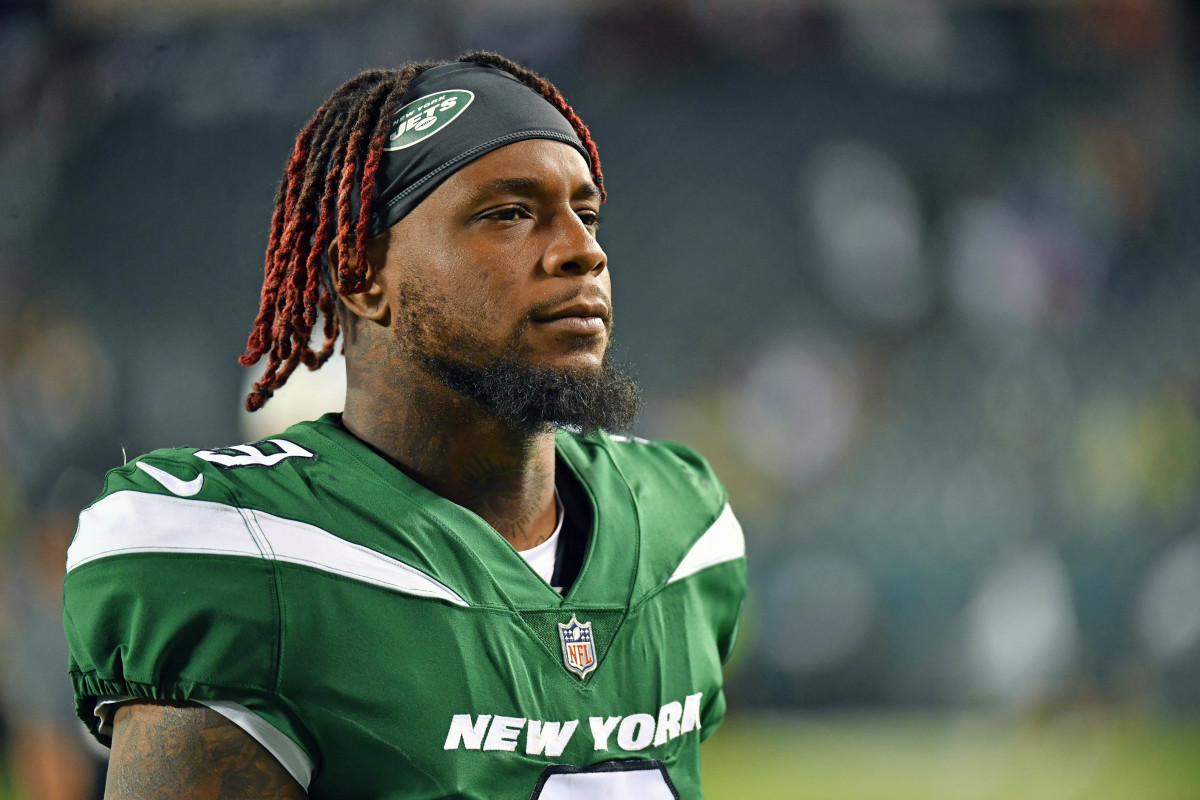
(182,751)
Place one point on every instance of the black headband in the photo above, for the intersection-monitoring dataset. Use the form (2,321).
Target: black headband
(450,116)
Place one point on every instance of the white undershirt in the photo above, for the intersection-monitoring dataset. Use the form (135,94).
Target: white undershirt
(542,557)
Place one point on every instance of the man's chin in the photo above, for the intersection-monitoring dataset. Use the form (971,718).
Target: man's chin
(578,357)
(584,394)
(569,368)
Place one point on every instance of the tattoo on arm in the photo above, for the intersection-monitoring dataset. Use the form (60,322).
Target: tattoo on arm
(182,751)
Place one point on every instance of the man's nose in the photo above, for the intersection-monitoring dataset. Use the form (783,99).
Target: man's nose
(573,249)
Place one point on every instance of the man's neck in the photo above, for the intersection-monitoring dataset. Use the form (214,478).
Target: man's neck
(451,446)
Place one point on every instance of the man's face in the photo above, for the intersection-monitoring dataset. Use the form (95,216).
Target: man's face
(501,246)
(499,289)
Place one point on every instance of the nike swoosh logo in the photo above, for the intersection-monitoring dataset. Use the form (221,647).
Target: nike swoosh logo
(171,483)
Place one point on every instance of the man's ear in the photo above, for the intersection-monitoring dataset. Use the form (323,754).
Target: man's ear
(371,303)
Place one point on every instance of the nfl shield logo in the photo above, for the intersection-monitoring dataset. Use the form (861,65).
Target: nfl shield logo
(579,653)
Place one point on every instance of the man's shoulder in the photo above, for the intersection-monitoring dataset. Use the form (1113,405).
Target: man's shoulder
(261,474)
(215,501)
(672,471)
(313,498)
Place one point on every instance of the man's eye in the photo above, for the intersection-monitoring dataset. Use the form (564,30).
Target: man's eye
(589,218)
(507,214)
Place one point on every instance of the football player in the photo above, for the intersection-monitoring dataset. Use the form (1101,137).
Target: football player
(466,584)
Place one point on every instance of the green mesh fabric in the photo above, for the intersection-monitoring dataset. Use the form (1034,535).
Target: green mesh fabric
(605,624)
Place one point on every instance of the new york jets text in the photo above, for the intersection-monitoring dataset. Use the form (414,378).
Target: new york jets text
(629,733)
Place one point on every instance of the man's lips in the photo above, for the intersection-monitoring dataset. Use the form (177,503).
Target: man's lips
(582,316)
(582,325)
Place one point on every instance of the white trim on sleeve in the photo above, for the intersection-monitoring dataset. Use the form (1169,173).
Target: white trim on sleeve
(723,541)
(104,710)
(140,522)
(279,744)
(289,754)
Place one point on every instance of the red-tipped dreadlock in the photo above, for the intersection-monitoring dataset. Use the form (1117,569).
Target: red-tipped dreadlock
(347,133)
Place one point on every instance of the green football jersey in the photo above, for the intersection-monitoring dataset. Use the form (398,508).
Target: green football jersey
(384,642)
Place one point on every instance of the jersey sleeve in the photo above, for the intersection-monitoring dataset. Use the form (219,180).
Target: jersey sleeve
(168,596)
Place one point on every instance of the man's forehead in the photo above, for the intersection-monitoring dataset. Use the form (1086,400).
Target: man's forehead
(534,166)
(530,187)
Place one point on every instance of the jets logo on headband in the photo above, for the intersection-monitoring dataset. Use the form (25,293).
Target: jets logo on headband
(416,160)
(425,116)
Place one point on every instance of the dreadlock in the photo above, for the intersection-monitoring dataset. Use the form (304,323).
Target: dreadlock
(344,138)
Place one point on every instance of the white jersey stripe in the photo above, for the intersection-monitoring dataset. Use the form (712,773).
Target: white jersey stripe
(139,522)
(723,541)
(133,522)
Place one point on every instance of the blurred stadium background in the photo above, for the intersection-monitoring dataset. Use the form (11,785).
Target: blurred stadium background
(919,277)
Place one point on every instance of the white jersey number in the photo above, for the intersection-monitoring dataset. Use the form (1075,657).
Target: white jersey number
(260,454)
(643,779)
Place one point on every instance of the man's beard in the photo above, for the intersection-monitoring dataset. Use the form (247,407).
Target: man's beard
(534,398)
(526,396)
